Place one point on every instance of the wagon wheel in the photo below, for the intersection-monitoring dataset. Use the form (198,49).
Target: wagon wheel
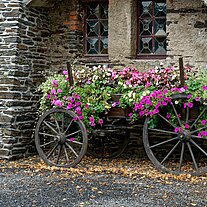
(108,143)
(178,142)
(60,138)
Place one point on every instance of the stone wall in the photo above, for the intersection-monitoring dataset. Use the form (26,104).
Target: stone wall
(24,56)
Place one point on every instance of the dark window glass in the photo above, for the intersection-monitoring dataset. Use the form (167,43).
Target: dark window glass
(96,28)
(152,28)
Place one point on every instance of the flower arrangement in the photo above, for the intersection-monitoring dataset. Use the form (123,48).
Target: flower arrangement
(145,92)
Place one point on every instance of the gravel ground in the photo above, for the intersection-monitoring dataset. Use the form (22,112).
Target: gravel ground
(97,183)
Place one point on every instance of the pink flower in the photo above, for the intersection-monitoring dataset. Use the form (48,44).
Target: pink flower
(204,88)
(91,119)
(55,83)
(114,104)
(204,133)
(65,72)
(141,113)
(87,106)
(203,122)
(58,103)
(100,121)
(189,96)
(187,126)
(53,92)
(69,106)
(190,105)
(72,139)
(168,116)
(59,90)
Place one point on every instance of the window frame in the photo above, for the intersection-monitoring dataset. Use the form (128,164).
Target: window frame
(85,54)
(147,56)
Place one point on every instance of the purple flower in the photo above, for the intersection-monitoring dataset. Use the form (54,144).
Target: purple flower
(65,72)
(100,121)
(72,139)
(168,116)
(203,122)
(58,103)
(91,119)
(204,133)
(141,113)
(87,106)
(187,126)
(164,103)
(190,105)
(204,88)
(114,104)
(197,98)
(69,106)
(53,92)
(59,90)
(55,83)
(189,96)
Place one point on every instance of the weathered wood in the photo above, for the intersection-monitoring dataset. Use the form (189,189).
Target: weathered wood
(182,79)
(70,75)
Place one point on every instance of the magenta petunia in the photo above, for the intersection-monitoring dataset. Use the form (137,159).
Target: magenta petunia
(187,126)
(203,122)
(55,83)
(190,105)
(59,90)
(72,139)
(204,88)
(100,121)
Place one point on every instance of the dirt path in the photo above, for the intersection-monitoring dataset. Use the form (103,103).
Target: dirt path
(117,183)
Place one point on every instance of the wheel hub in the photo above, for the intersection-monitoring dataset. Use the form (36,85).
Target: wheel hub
(185,136)
(62,138)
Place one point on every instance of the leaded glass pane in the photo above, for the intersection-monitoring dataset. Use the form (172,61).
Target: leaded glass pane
(146,9)
(93,11)
(104,28)
(160,46)
(146,45)
(92,46)
(160,27)
(160,9)
(146,27)
(104,46)
(104,11)
(93,28)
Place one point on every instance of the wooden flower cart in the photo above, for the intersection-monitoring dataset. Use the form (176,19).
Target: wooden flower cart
(174,151)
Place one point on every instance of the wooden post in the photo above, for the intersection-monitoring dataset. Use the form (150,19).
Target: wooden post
(70,75)
(182,78)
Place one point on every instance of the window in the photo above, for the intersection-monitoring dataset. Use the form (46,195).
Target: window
(96,29)
(151,28)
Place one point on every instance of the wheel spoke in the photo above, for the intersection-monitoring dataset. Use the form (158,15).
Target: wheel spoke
(58,127)
(176,114)
(160,130)
(46,134)
(47,124)
(194,136)
(66,154)
(48,143)
(74,152)
(73,133)
(59,153)
(53,149)
(197,130)
(171,151)
(200,115)
(198,147)
(181,156)
(192,156)
(158,144)
(167,120)
(76,142)
(69,126)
